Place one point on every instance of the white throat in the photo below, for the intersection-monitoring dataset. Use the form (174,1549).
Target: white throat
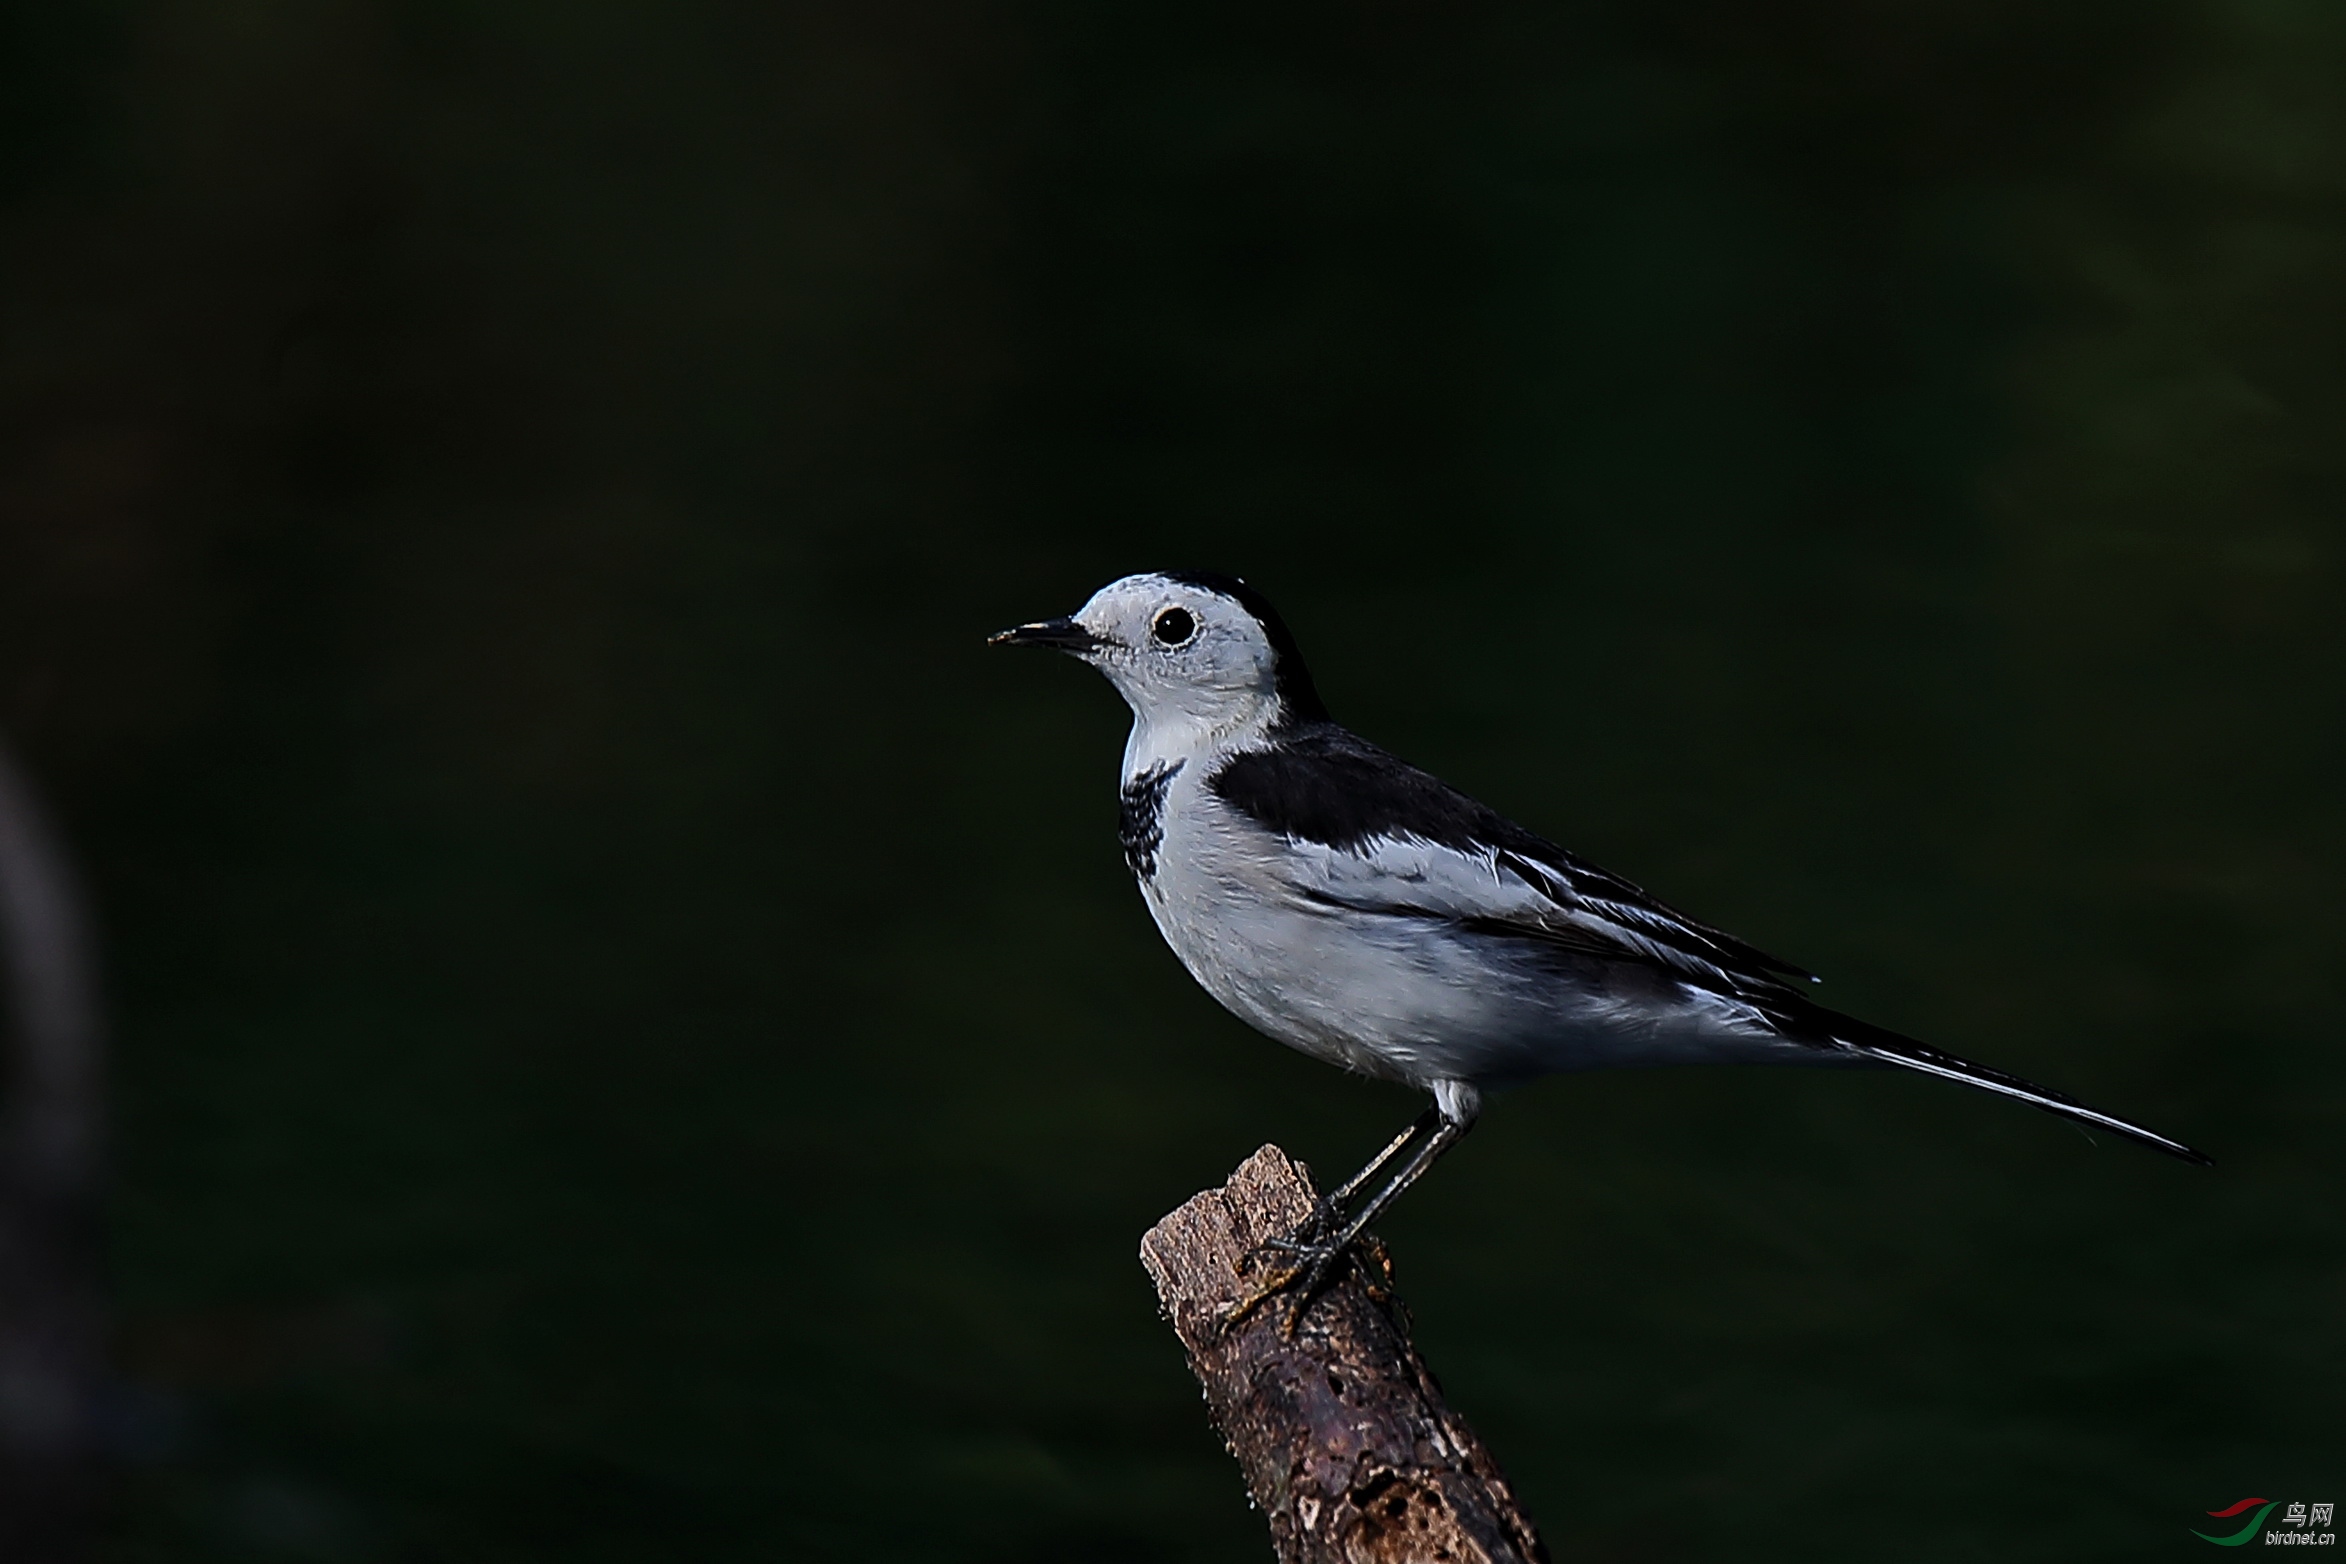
(1163,736)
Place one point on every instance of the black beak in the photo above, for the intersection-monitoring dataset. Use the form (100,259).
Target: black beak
(1063,635)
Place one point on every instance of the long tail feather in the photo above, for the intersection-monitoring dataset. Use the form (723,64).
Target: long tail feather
(1890,1048)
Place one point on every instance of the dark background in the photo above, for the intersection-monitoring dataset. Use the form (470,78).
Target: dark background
(634,1041)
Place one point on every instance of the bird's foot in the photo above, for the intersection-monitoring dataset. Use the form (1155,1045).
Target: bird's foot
(1308,1257)
(1326,1220)
(1296,1282)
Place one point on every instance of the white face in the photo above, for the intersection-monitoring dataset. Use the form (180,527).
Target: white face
(1183,657)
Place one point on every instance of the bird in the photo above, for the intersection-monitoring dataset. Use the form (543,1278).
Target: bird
(1368,914)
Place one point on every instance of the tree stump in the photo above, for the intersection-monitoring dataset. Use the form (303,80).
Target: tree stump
(1343,1436)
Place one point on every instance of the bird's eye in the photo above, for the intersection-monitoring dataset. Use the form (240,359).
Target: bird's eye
(1174,626)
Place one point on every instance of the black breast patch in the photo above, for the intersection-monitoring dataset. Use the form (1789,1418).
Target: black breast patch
(1140,817)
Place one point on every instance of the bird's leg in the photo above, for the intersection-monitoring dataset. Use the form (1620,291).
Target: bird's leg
(1314,1256)
(1327,1214)
(1328,1210)
(1420,1125)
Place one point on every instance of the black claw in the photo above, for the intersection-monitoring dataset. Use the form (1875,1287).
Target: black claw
(1310,1263)
(1307,1240)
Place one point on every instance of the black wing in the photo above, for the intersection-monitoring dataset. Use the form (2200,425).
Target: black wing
(1327,785)
(1324,785)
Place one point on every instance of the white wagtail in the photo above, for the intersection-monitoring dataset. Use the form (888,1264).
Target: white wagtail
(1365,913)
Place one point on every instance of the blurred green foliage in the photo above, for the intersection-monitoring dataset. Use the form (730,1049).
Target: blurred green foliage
(634,1042)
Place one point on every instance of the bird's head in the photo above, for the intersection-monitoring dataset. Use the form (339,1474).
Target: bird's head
(1189,650)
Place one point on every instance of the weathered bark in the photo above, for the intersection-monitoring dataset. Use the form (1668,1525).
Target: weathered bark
(1341,1432)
